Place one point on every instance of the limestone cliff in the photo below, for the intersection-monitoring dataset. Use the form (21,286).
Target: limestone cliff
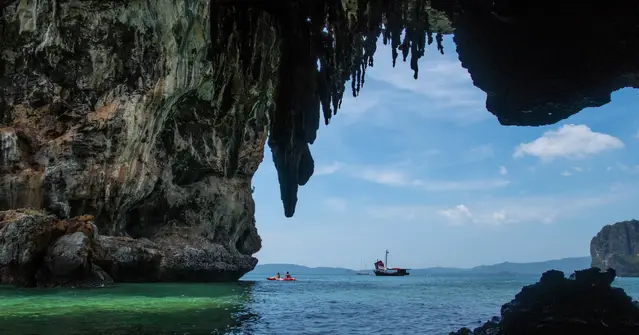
(152,116)
(141,115)
(617,246)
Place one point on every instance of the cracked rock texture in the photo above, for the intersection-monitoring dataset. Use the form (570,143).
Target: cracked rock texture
(617,246)
(152,116)
(141,115)
(38,249)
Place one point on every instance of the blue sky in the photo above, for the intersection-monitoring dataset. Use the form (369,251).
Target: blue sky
(421,168)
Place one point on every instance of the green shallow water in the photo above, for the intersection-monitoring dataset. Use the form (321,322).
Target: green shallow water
(123,309)
(311,305)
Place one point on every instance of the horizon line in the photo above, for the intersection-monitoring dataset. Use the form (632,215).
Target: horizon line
(431,267)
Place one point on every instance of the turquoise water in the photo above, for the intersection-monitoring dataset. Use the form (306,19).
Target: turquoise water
(312,305)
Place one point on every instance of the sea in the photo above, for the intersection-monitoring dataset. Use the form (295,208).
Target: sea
(314,304)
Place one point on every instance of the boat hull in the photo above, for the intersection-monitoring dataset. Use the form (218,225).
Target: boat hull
(395,273)
(280,279)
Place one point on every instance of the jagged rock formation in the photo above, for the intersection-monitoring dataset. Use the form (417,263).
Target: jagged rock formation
(617,246)
(533,73)
(134,113)
(152,117)
(38,249)
(342,37)
(555,305)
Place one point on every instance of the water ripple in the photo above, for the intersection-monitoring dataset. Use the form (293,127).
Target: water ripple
(312,305)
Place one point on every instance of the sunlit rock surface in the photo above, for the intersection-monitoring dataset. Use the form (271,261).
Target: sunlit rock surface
(133,113)
(617,246)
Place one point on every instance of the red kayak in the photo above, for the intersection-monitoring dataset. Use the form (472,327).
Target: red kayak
(280,279)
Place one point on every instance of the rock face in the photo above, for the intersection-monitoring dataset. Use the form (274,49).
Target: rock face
(152,116)
(37,249)
(617,246)
(558,306)
(145,117)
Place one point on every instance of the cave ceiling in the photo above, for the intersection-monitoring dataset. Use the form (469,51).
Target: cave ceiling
(538,62)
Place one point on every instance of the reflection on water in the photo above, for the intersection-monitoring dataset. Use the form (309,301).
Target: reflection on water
(126,309)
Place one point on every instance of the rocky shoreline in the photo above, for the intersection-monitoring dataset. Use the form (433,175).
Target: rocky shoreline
(40,250)
(585,303)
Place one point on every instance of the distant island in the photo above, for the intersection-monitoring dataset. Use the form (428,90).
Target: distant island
(270,269)
(617,246)
(567,265)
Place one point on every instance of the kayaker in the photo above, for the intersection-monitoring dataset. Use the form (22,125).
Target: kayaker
(287,276)
(277,275)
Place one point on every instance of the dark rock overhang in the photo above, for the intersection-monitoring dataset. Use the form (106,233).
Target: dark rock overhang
(538,61)
(542,61)
(340,36)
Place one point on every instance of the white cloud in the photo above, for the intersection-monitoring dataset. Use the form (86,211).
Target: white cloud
(566,173)
(499,216)
(569,141)
(578,169)
(387,177)
(460,214)
(397,178)
(327,169)
(637,134)
(503,171)
(513,210)
(495,211)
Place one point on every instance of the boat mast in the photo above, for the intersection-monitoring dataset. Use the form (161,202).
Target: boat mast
(386,259)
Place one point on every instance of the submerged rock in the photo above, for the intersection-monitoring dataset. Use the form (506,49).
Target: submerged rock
(556,305)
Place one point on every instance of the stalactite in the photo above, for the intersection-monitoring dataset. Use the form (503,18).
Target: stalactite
(341,36)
